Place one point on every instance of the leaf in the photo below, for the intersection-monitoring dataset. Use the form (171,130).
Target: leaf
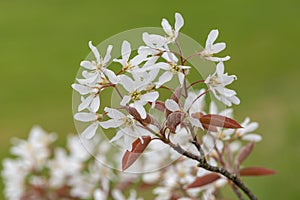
(243,154)
(219,121)
(176,95)
(173,120)
(204,180)
(138,148)
(159,105)
(256,171)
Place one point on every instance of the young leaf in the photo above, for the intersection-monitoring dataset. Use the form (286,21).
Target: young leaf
(243,154)
(204,180)
(173,120)
(138,148)
(176,95)
(256,171)
(219,121)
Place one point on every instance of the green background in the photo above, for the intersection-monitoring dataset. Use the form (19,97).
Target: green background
(43,42)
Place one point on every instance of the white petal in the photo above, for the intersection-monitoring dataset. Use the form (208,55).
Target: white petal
(85,117)
(212,36)
(107,55)
(95,104)
(217,59)
(220,68)
(87,64)
(251,127)
(181,78)
(112,123)
(165,77)
(166,26)
(111,76)
(95,51)
(125,100)
(252,137)
(83,90)
(127,83)
(126,50)
(90,131)
(172,105)
(235,100)
(113,113)
(138,60)
(216,48)
(118,135)
(178,21)
(85,103)
(140,109)
(150,97)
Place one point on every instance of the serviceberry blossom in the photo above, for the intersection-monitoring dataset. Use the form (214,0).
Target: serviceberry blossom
(211,48)
(99,66)
(137,96)
(93,117)
(172,33)
(171,68)
(127,64)
(161,115)
(246,133)
(217,83)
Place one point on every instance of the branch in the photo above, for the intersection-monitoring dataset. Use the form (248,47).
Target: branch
(204,164)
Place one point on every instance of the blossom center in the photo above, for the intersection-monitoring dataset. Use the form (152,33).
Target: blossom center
(135,95)
(175,68)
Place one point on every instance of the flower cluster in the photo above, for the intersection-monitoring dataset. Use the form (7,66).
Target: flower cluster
(178,135)
(41,170)
(183,118)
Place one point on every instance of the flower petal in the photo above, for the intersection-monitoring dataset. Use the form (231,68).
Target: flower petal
(113,113)
(150,97)
(85,102)
(111,123)
(87,64)
(178,21)
(166,26)
(95,51)
(95,104)
(83,90)
(111,76)
(165,77)
(216,48)
(126,50)
(90,131)
(212,36)
(85,117)
(107,55)
(172,105)
(125,100)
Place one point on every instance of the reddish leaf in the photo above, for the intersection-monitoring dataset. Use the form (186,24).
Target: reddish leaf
(173,120)
(176,95)
(243,154)
(219,121)
(137,149)
(210,128)
(159,105)
(204,180)
(256,171)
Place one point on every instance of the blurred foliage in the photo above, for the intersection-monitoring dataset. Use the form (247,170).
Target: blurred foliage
(42,43)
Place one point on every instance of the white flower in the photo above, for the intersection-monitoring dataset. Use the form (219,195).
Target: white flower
(129,65)
(172,34)
(34,151)
(92,101)
(211,48)
(14,174)
(90,131)
(246,133)
(137,97)
(129,128)
(117,195)
(217,83)
(99,195)
(62,167)
(99,66)
(171,68)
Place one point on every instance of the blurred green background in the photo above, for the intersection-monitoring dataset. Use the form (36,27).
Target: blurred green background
(43,42)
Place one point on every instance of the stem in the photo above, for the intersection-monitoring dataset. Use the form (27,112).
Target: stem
(197,99)
(118,91)
(190,56)
(196,82)
(203,163)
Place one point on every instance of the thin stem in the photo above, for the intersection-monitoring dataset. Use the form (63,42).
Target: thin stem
(237,192)
(196,82)
(190,56)
(118,91)
(197,99)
